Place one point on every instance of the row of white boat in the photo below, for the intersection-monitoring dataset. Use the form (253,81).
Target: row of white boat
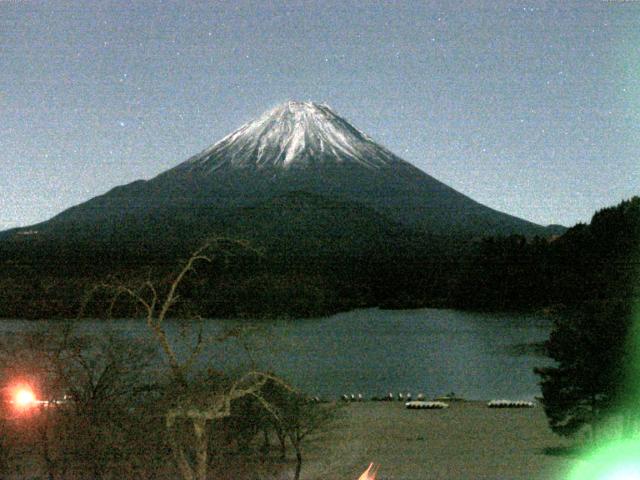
(492,404)
(439,403)
(390,397)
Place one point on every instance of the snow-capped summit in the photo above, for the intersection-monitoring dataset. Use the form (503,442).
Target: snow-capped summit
(295,148)
(293,134)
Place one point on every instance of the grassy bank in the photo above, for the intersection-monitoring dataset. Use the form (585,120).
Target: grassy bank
(466,441)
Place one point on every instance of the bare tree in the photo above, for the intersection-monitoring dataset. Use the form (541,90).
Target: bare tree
(89,393)
(34,360)
(189,403)
(296,417)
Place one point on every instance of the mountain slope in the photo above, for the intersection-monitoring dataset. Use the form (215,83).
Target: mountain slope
(296,147)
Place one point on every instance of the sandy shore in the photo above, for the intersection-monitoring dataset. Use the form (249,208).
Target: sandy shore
(466,441)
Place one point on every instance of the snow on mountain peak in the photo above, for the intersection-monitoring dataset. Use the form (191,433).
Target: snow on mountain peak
(293,134)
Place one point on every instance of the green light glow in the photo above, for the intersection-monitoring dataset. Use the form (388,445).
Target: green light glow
(615,461)
(620,459)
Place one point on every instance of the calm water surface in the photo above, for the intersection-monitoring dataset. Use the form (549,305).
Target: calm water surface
(375,351)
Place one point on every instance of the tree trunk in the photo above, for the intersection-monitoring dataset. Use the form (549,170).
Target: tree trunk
(44,438)
(199,427)
(298,463)
(266,445)
(186,473)
(282,438)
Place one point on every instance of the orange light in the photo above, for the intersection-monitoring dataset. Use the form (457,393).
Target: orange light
(370,473)
(23,397)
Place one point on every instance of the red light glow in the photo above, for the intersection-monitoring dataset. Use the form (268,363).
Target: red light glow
(25,398)
(22,397)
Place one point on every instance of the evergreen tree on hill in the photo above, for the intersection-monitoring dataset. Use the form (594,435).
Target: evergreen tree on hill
(590,348)
(596,345)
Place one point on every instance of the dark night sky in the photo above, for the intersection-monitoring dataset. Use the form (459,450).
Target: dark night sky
(532,107)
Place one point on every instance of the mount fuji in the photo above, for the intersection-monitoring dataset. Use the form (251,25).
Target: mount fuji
(297,157)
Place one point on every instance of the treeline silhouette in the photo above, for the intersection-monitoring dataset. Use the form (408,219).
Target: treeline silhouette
(599,260)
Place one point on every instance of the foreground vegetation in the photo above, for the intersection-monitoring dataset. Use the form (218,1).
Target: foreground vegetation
(111,407)
(468,440)
(103,409)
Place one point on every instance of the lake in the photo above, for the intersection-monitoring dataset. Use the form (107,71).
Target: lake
(372,351)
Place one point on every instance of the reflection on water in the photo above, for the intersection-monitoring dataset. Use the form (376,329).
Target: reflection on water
(475,355)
